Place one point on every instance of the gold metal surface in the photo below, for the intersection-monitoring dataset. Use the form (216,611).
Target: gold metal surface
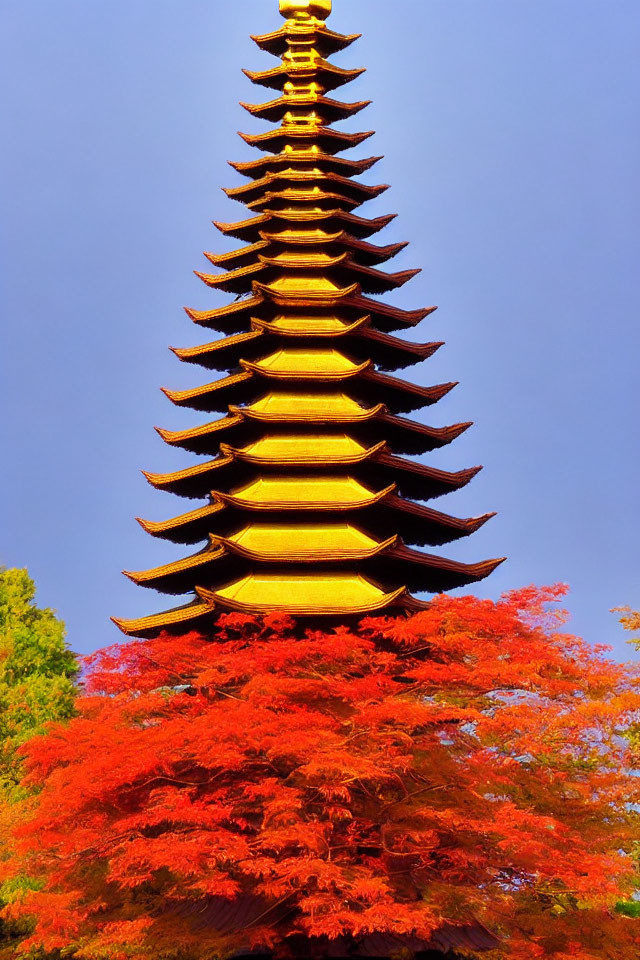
(286,473)
(303,593)
(304,9)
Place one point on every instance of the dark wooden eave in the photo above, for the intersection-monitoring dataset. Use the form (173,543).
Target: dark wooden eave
(366,385)
(404,436)
(342,269)
(327,162)
(385,351)
(332,220)
(325,41)
(255,189)
(328,139)
(415,523)
(326,74)
(328,109)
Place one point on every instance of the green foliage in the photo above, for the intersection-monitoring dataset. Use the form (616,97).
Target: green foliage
(629,908)
(37,674)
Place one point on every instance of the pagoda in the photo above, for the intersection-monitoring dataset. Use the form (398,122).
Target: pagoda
(309,503)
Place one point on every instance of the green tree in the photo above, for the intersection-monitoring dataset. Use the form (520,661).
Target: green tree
(37,685)
(631,622)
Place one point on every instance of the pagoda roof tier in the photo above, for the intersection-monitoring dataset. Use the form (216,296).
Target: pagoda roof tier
(304,362)
(297,450)
(261,306)
(256,189)
(364,384)
(315,70)
(313,158)
(303,594)
(368,254)
(390,562)
(415,523)
(180,576)
(405,436)
(312,198)
(197,481)
(382,349)
(192,527)
(204,439)
(416,480)
(303,543)
(333,221)
(325,41)
(418,524)
(341,269)
(373,465)
(326,138)
(329,110)
(279,412)
(194,616)
(424,572)
(302,493)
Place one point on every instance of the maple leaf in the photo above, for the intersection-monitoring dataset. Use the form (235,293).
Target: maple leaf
(405,776)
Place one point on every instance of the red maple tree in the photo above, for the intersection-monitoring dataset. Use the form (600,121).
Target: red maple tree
(455,779)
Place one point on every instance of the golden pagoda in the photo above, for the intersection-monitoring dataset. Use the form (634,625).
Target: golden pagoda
(308,504)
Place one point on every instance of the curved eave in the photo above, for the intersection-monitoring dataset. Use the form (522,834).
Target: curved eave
(303,297)
(226,393)
(368,254)
(325,41)
(187,528)
(201,474)
(427,573)
(407,436)
(194,483)
(419,481)
(331,111)
(391,353)
(228,319)
(203,439)
(418,524)
(340,269)
(294,332)
(213,397)
(304,200)
(308,376)
(193,616)
(224,354)
(317,555)
(304,609)
(332,220)
(257,188)
(329,140)
(238,258)
(327,162)
(414,522)
(301,506)
(233,317)
(180,576)
(321,71)
(403,397)
(388,318)
(321,460)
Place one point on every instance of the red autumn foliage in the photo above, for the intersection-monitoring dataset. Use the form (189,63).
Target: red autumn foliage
(460,770)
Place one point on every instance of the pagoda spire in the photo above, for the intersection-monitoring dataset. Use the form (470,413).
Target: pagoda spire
(310,501)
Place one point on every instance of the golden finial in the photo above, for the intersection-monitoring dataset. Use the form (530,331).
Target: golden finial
(305,9)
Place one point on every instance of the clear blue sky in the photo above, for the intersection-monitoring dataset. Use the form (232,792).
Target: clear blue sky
(510,131)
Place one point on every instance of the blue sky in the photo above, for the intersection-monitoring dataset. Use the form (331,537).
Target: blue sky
(510,135)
